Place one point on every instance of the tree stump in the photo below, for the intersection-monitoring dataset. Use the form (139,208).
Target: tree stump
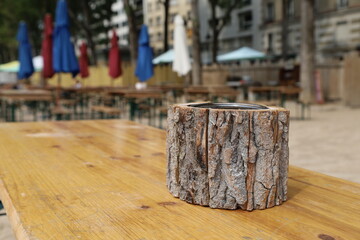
(228,156)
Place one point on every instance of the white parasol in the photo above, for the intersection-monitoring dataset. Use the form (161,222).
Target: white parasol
(181,63)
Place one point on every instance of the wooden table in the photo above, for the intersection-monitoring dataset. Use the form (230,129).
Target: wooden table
(281,92)
(10,97)
(106,180)
(228,93)
(26,95)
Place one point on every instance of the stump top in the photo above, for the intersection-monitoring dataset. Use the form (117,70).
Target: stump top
(233,106)
(106,180)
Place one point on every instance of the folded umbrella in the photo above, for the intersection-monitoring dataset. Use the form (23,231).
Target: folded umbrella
(181,63)
(46,47)
(26,64)
(64,58)
(114,58)
(144,66)
(84,61)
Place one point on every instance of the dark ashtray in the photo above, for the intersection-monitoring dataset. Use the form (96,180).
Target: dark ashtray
(244,106)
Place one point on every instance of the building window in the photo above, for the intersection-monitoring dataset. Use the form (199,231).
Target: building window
(342,3)
(270,43)
(159,36)
(158,5)
(173,2)
(245,21)
(246,2)
(172,17)
(150,21)
(158,20)
(149,7)
(270,12)
(290,9)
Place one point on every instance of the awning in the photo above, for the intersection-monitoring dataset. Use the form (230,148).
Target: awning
(167,57)
(244,53)
(14,65)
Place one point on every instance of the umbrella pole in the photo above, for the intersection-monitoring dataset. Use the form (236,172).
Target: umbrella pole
(58,90)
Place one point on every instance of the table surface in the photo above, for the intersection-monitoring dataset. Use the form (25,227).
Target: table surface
(24,92)
(105,179)
(26,95)
(282,89)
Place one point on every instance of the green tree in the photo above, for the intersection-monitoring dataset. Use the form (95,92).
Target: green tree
(11,13)
(92,19)
(220,16)
(133,13)
(89,19)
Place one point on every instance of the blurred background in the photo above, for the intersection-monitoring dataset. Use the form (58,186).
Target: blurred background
(130,59)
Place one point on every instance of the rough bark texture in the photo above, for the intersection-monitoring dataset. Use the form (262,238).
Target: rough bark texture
(187,166)
(228,158)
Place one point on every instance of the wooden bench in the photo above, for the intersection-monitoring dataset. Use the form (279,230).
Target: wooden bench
(105,112)
(61,113)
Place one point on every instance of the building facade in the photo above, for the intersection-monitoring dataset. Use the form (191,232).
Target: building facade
(337,27)
(271,26)
(154,16)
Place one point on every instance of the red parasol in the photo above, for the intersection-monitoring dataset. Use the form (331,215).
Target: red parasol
(114,58)
(84,61)
(46,48)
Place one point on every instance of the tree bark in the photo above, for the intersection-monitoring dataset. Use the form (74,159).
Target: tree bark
(89,35)
(307,71)
(227,158)
(133,34)
(166,25)
(187,166)
(195,37)
(214,23)
(87,31)
(218,23)
(284,31)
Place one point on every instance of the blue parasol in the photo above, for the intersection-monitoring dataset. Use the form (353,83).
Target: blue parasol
(26,64)
(64,58)
(144,66)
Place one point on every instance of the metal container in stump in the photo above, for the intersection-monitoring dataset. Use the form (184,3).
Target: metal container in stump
(228,155)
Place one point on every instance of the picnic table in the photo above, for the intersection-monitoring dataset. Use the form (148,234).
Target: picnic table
(132,96)
(281,93)
(106,180)
(10,97)
(152,98)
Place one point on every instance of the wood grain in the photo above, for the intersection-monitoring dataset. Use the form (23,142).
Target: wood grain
(106,180)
